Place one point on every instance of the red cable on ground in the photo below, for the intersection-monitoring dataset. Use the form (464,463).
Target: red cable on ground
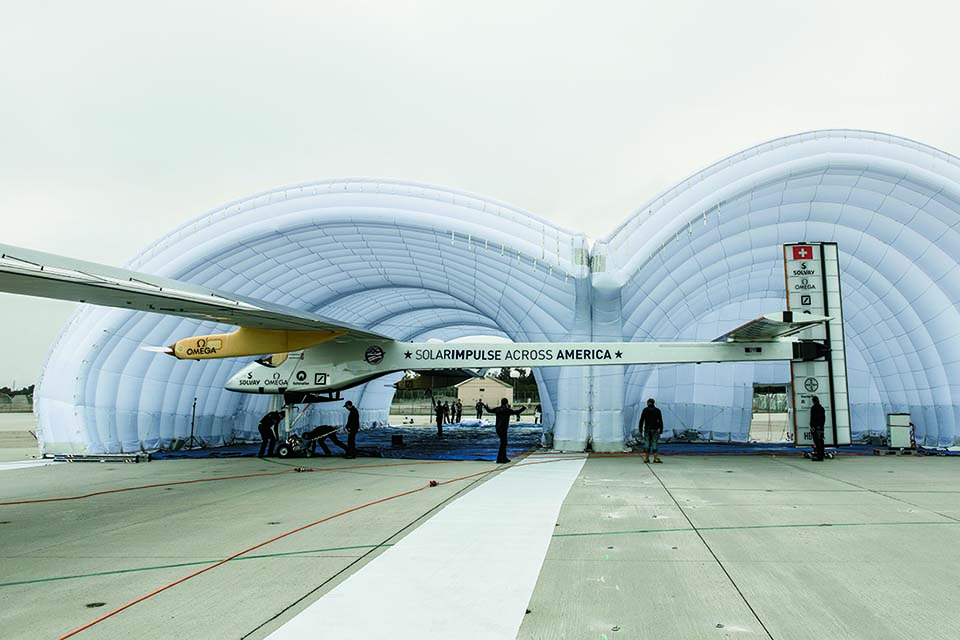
(246,475)
(432,483)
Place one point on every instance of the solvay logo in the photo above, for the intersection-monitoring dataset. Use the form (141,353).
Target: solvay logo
(373,355)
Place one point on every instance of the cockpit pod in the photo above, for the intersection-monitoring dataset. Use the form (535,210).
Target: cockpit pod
(270,374)
(273,361)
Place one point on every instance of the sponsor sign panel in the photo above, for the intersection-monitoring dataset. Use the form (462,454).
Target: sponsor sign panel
(812,277)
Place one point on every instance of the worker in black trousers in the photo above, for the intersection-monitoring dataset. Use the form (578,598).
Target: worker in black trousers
(818,419)
(353,425)
(438,409)
(268,431)
(503,413)
(651,427)
(319,436)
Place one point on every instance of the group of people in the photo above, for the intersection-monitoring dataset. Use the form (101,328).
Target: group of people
(650,428)
(453,413)
(447,412)
(537,413)
(317,436)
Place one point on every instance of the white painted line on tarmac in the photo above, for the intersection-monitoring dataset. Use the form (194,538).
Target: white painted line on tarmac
(466,573)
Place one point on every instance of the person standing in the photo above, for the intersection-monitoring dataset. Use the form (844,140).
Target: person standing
(268,432)
(538,415)
(480,409)
(438,409)
(818,419)
(651,426)
(503,413)
(458,411)
(353,425)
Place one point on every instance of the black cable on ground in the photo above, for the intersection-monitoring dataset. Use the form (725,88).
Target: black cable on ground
(432,483)
(360,558)
(288,469)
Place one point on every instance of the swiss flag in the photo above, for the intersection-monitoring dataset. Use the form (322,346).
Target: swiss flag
(802,252)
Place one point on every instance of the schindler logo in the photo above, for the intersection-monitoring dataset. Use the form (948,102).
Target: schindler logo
(374,355)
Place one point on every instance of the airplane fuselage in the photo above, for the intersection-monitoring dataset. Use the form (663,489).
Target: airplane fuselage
(345,363)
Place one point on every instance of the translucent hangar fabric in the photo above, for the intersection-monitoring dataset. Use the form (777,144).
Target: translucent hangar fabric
(417,262)
(408,260)
(709,249)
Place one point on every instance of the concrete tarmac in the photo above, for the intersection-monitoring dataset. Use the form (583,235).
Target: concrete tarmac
(699,547)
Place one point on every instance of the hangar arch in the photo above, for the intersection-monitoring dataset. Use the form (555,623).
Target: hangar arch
(359,250)
(891,204)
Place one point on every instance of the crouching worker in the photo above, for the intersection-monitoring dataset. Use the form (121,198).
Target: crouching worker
(319,436)
(268,432)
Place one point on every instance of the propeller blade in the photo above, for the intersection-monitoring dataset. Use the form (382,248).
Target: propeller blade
(166,350)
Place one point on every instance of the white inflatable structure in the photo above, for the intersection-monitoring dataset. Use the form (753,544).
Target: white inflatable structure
(415,261)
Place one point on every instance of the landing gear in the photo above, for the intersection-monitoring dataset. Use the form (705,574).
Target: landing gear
(294,447)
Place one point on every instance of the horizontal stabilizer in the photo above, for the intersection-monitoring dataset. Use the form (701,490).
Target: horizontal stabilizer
(772,326)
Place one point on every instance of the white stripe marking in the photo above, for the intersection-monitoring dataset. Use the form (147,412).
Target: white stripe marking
(466,573)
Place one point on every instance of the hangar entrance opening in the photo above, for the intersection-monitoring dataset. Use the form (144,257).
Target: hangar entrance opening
(770,421)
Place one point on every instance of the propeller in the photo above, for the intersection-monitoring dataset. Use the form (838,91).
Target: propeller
(153,349)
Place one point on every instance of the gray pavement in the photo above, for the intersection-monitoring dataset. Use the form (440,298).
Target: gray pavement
(753,547)
(17,439)
(699,547)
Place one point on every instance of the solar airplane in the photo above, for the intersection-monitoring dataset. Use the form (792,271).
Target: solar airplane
(309,358)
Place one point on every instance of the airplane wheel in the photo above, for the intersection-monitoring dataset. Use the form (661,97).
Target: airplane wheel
(283,451)
(806,454)
(308,453)
(829,456)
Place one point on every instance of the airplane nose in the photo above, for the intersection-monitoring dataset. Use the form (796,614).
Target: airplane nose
(242,381)
(233,384)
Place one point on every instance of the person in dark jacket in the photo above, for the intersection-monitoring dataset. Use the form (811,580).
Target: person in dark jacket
(480,409)
(353,425)
(818,418)
(319,436)
(438,409)
(268,432)
(503,413)
(458,411)
(651,426)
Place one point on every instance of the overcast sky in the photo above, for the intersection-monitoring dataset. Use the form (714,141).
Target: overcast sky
(120,120)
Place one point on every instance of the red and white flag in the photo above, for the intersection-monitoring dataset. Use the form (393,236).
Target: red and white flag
(803,252)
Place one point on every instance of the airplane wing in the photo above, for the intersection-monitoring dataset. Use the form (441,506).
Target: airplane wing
(45,275)
(772,326)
